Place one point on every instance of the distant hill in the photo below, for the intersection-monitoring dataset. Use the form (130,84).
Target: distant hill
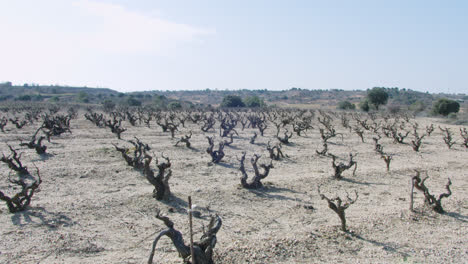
(45,92)
(15,90)
(296,97)
(302,97)
(84,95)
(7,89)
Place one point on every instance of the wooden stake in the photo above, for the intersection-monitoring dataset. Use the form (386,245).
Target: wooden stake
(411,195)
(191,230)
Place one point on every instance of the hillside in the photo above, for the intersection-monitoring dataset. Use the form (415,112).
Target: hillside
(297,97)
(46,92)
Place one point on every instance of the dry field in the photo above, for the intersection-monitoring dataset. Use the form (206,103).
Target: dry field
(93,208)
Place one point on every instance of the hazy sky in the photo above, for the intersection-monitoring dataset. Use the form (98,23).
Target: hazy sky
(135,45)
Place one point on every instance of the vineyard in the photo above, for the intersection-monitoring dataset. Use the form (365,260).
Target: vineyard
(279,185)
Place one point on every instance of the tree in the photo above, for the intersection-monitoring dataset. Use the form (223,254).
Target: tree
(131,101)
(232,101)
(346,105)
(24,98)
(445,106)
(37,97)
(377,96)
(254,101)
(160,101)
(174,105)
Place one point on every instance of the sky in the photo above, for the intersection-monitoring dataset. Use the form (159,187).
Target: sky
(141,45)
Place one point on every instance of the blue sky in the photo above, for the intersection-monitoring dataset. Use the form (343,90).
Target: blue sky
(135,45)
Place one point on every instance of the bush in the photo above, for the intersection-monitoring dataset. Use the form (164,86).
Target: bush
(24,98)
(445,106)
(417,106)
(108,105)
(394,109)
(5,97)
(37,97)
(452,116)
(174,105)
(364,105)
(83,97)
(131,101)
(346,105)
(232,101)
(377,96)
(160,101)
(254,101)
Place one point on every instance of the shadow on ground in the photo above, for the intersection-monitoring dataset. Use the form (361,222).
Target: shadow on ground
(40,216)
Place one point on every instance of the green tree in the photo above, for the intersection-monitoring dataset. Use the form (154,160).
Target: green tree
(445,106)
(131,101)
(5,97)
(174,105)
(160,101)
(37,97)
(346,105)
(254,101)
(232,101)
(377,96)
(24,98)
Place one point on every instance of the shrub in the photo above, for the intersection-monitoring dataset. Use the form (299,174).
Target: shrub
(24,98)
(131,101)
(37,97)
(417,106)
(452,116)
(254,101)
(83,97)
(5,97)
(445,106)
(364,105)
(159,101)
(108,105)
(232,101)
(393,109)
(174,105)
(346,105)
